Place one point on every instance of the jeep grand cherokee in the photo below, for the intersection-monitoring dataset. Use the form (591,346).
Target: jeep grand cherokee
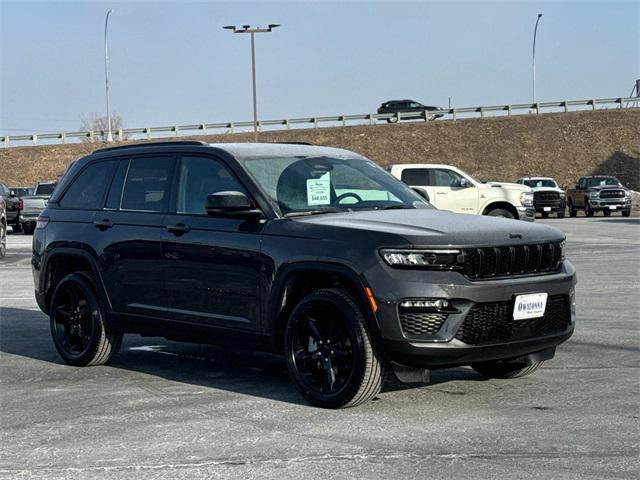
(313,252)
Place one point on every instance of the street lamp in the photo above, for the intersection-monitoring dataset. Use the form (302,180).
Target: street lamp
(533,58)
(106,76)
(253,31)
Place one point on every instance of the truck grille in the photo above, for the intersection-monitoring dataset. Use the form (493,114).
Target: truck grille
(507,261)
(612,194)
(417,324)
(541,199)
(493,322)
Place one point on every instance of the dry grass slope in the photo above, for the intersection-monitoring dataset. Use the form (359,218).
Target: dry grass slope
(562,145)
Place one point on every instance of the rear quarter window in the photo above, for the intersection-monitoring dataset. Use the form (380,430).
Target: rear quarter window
(88,189)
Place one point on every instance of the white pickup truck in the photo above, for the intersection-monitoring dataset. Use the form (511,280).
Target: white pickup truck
(450,188)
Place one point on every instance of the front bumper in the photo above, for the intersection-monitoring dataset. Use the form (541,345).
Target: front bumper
(527,214)
(390,286)
(598,204)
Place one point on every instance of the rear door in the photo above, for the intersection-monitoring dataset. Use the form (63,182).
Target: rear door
(212,263)
(419,178)
(128,232)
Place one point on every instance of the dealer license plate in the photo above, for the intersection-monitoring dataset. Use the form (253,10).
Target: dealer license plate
(547,209)
(532,305)
(613,207)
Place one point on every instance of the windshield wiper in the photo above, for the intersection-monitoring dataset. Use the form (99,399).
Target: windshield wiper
(316,212)
(393,207)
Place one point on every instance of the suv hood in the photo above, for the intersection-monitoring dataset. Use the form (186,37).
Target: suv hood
(427,227)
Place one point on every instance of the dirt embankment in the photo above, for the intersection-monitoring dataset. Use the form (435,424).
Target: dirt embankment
(561,145)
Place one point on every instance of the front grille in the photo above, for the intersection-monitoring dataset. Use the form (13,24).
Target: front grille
(541,199)
(488,323)
(417,324)
(612,194)
(517,260)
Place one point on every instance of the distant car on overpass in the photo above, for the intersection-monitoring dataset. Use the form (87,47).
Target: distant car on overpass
(408,110)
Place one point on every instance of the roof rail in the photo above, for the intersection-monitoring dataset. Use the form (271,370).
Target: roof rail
(152,144)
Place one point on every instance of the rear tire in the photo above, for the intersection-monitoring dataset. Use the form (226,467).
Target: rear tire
(626,213)
(330,352)
(28,230)
(505,370)
(500,212)
(78,323)
(561,214)
(572,211)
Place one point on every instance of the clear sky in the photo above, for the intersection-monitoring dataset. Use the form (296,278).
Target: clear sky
(172,63)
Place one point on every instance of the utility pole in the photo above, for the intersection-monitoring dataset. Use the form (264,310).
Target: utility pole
(106,76)
(253,31)
(533,58)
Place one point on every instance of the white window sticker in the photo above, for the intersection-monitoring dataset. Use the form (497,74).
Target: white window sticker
(319,190)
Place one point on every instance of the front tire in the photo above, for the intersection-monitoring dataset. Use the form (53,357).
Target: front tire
(505,370)
(500,212)
(78,327)
(3,239)
(572,211)
(330,352)
(588,211)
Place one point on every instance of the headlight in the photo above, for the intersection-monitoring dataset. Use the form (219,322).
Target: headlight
(594,194)
(627,193)
(562,247)
(526,199)
(433,259)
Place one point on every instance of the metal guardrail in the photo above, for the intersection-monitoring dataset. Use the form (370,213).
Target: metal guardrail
(339,120)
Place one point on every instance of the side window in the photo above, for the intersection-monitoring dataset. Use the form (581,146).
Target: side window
(415,176)
(87,190)
(115,191)
(582,183)
(146,187)
(445,178)
(198,178)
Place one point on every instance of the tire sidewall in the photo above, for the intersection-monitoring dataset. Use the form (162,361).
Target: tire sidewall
(354,321)
(501,213)
(97,315)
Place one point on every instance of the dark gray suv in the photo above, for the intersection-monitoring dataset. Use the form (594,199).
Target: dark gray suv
(313,252)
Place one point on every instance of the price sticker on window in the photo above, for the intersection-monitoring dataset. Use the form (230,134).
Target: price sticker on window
(319,190)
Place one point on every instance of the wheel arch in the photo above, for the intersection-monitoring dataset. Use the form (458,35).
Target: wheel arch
(296,280)
(501,204)
(64,261)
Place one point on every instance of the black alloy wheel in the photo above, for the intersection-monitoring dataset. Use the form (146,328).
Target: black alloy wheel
(78,326)
(331,356)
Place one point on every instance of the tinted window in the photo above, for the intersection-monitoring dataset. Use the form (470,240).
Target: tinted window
(199,177)
(445,178)
(45,189)
(416,176)
(602,181)
(4,191)
(115,191)
(146,187)
(87,190)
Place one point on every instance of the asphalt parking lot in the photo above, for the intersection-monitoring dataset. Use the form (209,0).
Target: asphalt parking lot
(162,409)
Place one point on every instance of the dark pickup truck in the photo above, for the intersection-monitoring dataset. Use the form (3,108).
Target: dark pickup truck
(599,194)
(12,205)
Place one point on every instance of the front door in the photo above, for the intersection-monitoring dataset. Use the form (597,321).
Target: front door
(212,264)
(449,194)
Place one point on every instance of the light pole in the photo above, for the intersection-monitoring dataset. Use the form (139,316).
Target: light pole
(106,76)
(533,58)
(253,31)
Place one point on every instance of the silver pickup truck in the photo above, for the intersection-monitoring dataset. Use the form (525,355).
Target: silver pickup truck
(33,205)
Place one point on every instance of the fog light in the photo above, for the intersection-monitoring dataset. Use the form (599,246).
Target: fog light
(572,301)
(436,304)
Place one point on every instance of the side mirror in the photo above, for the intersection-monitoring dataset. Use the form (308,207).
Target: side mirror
(464,183)
(231,204)
(577,186)
(422,193)
(12,193)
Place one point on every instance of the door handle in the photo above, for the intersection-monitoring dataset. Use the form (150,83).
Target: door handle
(103,224)
(179,229)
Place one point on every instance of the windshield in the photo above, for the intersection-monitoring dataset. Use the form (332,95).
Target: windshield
(602,181)
(22,192)
(299,185)
(540,183)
